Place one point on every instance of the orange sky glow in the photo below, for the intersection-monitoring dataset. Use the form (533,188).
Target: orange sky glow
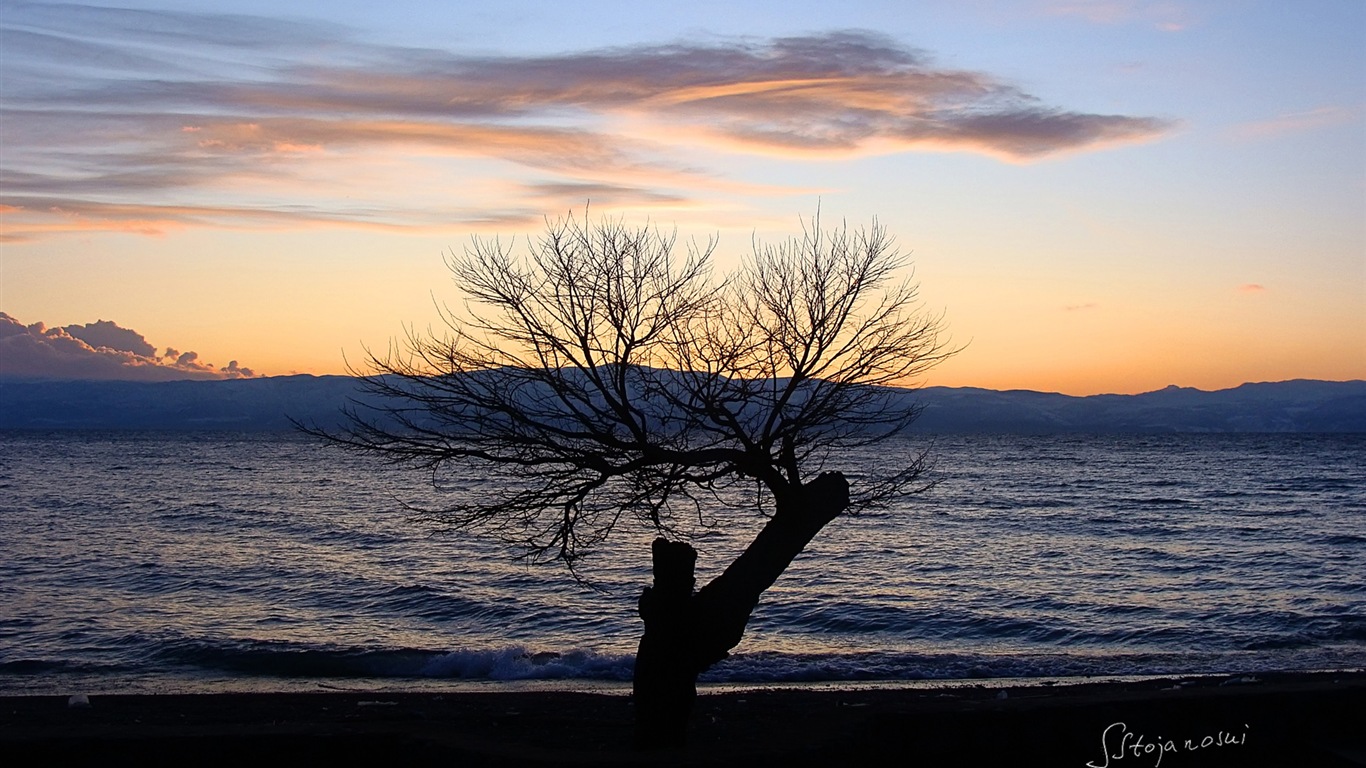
(1098,196)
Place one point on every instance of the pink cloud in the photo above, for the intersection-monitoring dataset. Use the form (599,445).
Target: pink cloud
(154,147)
(100,351)
(108,335)
(1297,122)
(1161,14)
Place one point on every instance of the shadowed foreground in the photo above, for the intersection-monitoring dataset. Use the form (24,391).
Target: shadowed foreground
(1276,720)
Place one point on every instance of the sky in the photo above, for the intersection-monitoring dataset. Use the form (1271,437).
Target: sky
(1106,196)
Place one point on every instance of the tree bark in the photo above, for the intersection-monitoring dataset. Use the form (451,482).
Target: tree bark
(665,676)
(686,632)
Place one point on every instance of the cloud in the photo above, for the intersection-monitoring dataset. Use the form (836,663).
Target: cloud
(1165,16)
(1297,122)
(108,335)
(142,121)
(616,195)
(98,351)
(30,218)
(1251,288)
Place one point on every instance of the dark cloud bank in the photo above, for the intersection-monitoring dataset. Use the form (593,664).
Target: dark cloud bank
(99,351)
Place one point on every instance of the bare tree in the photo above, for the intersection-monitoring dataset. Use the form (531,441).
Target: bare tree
(621,383)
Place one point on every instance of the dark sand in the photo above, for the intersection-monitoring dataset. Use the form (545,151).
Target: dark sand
(1276,720)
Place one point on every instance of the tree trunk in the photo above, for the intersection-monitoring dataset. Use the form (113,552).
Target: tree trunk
(665,676)
(686,632)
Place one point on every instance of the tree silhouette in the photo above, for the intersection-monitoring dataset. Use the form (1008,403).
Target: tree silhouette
(610,381)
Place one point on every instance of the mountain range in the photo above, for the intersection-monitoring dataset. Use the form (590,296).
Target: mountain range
(269,403)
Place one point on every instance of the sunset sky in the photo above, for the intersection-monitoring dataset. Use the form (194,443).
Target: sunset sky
(1106,196)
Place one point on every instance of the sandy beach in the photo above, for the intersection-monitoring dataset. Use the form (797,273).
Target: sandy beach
(1300,719)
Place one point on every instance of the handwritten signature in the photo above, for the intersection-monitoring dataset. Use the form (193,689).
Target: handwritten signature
(1119,743)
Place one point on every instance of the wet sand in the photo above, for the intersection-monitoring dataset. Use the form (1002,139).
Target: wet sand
(1291,720)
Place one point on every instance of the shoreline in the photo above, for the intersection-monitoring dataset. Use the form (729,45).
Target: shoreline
(1270,719)
(382,686)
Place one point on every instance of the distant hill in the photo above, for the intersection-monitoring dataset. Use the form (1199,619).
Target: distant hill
(260,404)
(1286,406)
(264,404)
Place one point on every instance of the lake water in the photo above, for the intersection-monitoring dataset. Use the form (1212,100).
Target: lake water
(198,562)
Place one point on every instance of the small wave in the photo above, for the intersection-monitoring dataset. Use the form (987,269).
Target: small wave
(244,660)
(518,664)
(1311,484)
(759,668)
(54,667)
(1341,629)
(1128,609)
(29,666)
(284,659)
(1277,644)
(1159,501)
(1277,512)
(1149,530)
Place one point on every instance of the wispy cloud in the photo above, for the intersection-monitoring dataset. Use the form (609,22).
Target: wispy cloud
(28,219)
(1251,288)
(1163,15)
(142,121)
(1298,122)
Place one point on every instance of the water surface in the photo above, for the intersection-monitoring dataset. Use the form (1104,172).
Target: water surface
(164,561)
